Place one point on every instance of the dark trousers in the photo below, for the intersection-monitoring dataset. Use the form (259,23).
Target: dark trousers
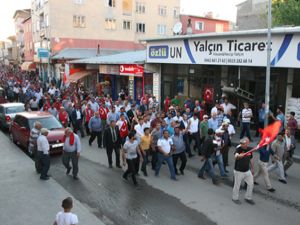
(224,152)
(95,134)
(131,168)
(182,157)
(87,130)
(245,129)
(37,161)
(109,152)
(145,161)
(154,158)
(45,163)
(78,127)
(71,156)
(187,144)
(209,168)
(260,125)
(196,137)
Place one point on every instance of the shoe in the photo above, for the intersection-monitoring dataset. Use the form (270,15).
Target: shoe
(75,178)
(255,183)
(118,166)
(191,155)
(174,179)
(44,178)
(271,190)
(182,172)
(110,166)
(215,182)
(282,181)
(226,171)
(69,170)
(202,177)
(90,144)
(49,175)
(145,174)
(250,201)
(99,146)
(124,179)
(177,174)
(238,202)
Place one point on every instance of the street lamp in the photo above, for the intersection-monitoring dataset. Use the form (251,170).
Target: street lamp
(268,70)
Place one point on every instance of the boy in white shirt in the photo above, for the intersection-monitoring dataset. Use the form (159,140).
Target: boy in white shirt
(66,217)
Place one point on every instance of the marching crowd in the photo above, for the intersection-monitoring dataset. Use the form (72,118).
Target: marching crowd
(139,133)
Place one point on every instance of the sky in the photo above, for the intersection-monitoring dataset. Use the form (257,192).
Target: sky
(223,9)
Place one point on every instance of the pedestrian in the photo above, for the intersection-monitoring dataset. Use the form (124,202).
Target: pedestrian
(165,148)
(145,144)
(77,118)
(95,129)
(156,134)
(103,111)
(184,127)
(34,104)
(218,141)
(43,153)
(243,172)
(213,122)
(208,149)
(279,148)
(112,138)
(281,117)
(66,217)
(194,134)
(292,123)
(71,152)
(63,117)
(112,116)
(53,111)
(226,139)
(34,134)
(264,158)
(290,142)
(88,113)
(179,152)
(203,128)
(246,115)
(130,156)
(261,118)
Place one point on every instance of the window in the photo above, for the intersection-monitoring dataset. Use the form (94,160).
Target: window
(162,10)
(78,21)
(127,7)
(111,3)
(110,24)
(78,2)
(161,29)
(126,25)
(199,25)
(219,27)
(140,28)
(140,8)
(176,13)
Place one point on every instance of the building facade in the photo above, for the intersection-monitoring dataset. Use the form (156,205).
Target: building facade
(252,14)
(199,25)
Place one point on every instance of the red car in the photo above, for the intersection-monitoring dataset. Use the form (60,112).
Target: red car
(23,123)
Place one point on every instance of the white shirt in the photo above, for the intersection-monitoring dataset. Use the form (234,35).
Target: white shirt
(66,218)
(43,144)
(139,130)
(177,118)
(165,144)
(52,91)
(227,107)
(194,125)
(78,114)
(147,124)
(214,110)
(246,113)
(288,142)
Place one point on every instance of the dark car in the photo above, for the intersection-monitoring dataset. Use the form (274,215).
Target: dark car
(24,122)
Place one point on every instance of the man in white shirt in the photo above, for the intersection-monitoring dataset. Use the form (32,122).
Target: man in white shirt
(94,105)
(193,131)
(139,129)
(164,146)
(246,119)
(43,153)
(227,106)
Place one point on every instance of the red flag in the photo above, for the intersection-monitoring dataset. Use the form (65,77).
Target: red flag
(124,130)
(268,135)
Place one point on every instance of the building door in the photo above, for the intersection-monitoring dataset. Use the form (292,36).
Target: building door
(167,89)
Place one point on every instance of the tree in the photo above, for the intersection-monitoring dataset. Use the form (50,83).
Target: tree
(286,12)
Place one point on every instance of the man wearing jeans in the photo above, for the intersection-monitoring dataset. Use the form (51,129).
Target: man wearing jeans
(208,149)
(246,119)
(242,172)
(164,146)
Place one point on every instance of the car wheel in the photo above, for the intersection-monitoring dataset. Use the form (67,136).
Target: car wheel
(29,150)
(12,138)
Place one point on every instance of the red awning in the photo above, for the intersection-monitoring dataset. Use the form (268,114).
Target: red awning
(79,75)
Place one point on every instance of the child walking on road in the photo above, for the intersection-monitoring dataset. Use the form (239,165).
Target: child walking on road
(66,217)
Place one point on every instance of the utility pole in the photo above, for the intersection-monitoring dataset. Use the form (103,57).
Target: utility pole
(268,70)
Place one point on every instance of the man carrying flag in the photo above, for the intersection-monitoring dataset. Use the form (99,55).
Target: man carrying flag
(103,111)
(123,127)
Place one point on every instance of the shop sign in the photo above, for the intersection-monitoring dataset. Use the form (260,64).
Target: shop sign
(43,53)
(131,86)
(109,69)
(156,85)
(131,69)
(236,50)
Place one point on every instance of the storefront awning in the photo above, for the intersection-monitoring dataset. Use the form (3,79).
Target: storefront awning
(28,66)
(79,75)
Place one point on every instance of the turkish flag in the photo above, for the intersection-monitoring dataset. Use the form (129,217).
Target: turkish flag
(124,130)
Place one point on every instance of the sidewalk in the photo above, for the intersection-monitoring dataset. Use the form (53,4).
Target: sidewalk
(25,199)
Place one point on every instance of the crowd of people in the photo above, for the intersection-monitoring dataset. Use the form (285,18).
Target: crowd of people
(137,131)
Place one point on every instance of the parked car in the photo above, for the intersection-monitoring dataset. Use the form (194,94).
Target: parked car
(23,123)
(8,112)
(2,96)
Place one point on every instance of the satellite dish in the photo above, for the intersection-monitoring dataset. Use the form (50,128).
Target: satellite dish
(177,29)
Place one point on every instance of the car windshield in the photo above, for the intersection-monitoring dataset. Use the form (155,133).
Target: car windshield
(15,109)
(51,123)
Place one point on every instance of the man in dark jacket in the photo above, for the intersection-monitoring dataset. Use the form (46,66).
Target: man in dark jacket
(208,150)
(112,140)
(77,117)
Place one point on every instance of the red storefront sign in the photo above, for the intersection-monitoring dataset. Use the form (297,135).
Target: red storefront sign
(131,70)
